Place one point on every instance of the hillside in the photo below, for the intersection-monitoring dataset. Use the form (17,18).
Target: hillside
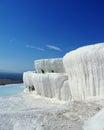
(10,78)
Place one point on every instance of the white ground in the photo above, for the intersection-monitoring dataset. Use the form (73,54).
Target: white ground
(32,112)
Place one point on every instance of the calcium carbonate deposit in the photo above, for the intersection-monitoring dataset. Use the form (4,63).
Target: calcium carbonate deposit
(81,78)
(49,65)
(85,69)
(61,94)
(33,112)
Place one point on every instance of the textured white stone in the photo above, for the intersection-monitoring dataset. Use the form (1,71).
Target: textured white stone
(49,65)
(85,69)
(29,111)
(65,91)
(28,80)
(53,85)
(96,122)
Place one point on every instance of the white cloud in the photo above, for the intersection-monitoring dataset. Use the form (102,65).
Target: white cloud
(33,47)
(41,49)
(54,47)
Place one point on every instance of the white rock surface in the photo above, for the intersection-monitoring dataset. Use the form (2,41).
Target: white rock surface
(96,122)
(28,80)
(29,111)
(53,85)
(49,65)
(32,112)
(85,69)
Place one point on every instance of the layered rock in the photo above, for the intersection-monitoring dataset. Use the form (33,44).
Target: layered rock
(53,85)
(49,80)
(49,66)
(85,70)
(28,81)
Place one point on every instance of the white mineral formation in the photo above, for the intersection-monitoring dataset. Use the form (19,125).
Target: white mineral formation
(96,122)
(82,78)
(28,80)
(53,85)
(49,65)
(85,69)
(28,111)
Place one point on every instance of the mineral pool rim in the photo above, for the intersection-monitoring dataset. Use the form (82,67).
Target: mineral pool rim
(11,89)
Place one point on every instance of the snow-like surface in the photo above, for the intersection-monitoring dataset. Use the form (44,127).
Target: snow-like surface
(33,112)
(83,78)
(96,122)
(28,80)
(49,84)
(49,65)
(85,69)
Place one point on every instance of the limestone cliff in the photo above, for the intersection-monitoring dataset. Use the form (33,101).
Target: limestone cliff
(85,69)
(49,65)
(78,75)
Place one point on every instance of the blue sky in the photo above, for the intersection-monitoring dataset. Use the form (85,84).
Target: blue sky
(37,29)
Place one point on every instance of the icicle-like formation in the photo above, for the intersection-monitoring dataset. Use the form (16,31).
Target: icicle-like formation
(53,85)
(85,69)
(49,65)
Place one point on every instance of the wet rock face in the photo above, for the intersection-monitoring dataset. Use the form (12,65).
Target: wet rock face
(85,69)
(53,85)
(49,66)
(28,80)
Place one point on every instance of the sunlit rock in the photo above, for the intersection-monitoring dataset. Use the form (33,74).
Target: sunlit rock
(96,122)
(53,85)
(85,69)
(28,81)
(49,65)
